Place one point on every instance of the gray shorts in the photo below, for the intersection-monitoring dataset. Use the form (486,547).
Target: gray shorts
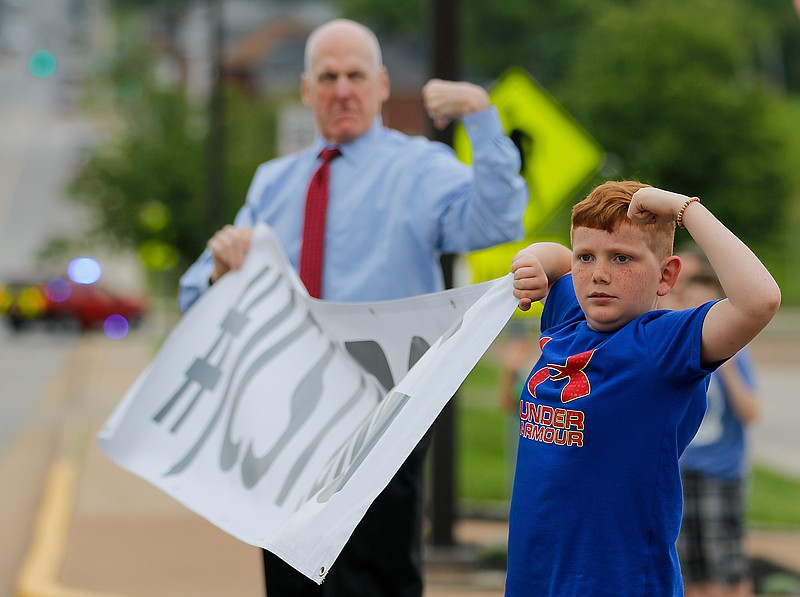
(710,545)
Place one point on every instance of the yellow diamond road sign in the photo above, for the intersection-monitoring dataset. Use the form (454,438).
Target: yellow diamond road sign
(558,158)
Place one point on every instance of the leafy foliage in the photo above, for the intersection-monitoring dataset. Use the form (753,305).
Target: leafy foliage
(679,92)
(147,184)
(681,107)
(387,17)
(155,165)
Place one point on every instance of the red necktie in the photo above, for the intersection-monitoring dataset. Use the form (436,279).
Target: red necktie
(313,242)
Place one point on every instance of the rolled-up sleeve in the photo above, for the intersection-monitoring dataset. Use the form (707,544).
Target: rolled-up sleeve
(489,209)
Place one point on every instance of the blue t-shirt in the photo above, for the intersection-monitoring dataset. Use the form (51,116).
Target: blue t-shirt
(719,448)
(596,505)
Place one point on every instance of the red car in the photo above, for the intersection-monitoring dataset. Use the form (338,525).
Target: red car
(89,305)
(85,306)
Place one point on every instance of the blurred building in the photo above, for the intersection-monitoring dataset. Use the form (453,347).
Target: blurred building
(263,54)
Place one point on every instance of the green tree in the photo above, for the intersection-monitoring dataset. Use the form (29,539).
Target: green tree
(541,35)
(536,34)
(681,106)
(387,18)
(146,184)
(779,48)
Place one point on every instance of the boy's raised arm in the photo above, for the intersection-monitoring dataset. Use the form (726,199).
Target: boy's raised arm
(753,295)
(535,267)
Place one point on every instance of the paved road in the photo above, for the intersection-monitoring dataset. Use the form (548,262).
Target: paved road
(775,438)
(29,426)
(26,362)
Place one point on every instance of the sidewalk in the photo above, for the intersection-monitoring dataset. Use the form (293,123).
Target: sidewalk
(103,532)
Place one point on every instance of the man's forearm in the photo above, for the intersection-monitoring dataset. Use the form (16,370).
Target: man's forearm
(194,282)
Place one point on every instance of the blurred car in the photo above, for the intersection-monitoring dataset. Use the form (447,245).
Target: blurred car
(63,303)
(22,302)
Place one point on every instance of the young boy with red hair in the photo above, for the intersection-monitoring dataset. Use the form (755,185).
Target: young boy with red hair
(619,391)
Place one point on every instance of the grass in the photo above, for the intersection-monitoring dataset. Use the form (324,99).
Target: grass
(774,499)
(482,473)
(788,118)
(482,434)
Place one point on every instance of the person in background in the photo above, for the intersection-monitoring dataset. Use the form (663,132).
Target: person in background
(519,352)
(692,261)
(394,205)
(714,467)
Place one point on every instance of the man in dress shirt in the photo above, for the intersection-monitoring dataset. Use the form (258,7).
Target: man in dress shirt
(396,203)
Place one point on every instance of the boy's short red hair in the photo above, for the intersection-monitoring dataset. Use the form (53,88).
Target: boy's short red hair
(606,208)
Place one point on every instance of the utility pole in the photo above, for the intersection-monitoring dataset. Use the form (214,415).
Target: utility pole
(215,149)
(444,38)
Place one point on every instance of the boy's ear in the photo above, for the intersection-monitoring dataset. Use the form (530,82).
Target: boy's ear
(670,270)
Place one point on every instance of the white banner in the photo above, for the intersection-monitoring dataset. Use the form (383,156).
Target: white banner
(280,418)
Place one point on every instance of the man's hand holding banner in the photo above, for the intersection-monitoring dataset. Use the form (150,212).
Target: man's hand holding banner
(280,418)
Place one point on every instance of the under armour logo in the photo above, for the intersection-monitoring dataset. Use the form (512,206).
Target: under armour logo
(577,385)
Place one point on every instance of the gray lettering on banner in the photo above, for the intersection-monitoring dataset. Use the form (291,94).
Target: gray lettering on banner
(305,399)
(305,457)
(203,371)
(370,355)
(372,430)
(268,327)
(230,448)
(419,346)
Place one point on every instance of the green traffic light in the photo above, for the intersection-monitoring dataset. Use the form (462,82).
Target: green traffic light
(42,64)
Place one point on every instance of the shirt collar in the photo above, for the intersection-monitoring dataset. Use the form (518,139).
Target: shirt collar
(357,150)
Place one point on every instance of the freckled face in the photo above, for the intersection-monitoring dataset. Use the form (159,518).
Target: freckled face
(616,276)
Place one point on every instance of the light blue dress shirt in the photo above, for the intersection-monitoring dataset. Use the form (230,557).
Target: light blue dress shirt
(396,203)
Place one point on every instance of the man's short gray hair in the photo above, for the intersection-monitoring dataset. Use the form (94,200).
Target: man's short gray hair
(365,31)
